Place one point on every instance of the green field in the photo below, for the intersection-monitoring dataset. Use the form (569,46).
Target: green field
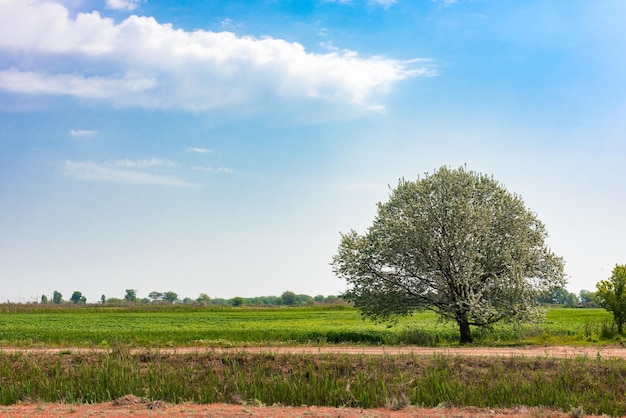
(182,326)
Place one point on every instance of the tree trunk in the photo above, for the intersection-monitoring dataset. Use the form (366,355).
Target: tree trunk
(466,336)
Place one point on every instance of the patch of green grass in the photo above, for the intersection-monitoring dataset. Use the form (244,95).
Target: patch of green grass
(181,326)
(194,327)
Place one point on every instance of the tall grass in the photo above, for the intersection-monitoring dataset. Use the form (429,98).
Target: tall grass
(596,385)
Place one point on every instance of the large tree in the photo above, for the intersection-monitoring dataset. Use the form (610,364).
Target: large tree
(611,295)
(455,242)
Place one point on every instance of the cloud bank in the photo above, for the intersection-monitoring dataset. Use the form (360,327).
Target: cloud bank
(143,63)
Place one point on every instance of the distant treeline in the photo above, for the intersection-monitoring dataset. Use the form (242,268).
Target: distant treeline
(559,296)
(288,298)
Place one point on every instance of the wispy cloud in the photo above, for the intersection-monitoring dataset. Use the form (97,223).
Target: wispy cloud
(123,171)
(122,4)
(208,169)
(153,162)
(143,63)
(198,150)
(82,133)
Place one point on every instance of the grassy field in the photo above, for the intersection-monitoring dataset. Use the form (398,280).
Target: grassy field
(592,385)
(89,326)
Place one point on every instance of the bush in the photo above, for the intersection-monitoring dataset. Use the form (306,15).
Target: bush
(608,331)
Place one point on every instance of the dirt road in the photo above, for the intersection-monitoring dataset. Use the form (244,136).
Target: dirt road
(528,351)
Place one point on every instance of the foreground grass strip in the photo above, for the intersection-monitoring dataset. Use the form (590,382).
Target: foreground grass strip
(594,384)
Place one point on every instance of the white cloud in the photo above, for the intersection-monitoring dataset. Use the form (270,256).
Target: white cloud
(122,4)
(198,150)
(140,62)
(153,162)
(208,169)
(29,82)
(124,171)
(82,133)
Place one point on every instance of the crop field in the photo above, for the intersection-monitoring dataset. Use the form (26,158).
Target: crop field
(182,326)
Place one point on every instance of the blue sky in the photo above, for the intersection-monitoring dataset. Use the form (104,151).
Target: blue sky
(220,147)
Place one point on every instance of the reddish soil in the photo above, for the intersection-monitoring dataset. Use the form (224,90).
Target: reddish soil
(236,411)
(131,406)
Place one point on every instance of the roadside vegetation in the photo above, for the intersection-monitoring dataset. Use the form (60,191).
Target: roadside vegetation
(592,385)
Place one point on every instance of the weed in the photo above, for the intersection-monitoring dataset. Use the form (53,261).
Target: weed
(608,331)
(577,412)
(397,403)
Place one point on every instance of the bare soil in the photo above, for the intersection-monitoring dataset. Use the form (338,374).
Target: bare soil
(131,406)
(111,409)
(525,351)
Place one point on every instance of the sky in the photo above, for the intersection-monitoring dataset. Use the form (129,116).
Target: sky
(202,146)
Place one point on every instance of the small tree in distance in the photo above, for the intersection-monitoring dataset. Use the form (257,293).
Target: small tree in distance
(288,298)
(77,297)
(170,296)
(204,299)
(455,242)
(611,295)
(131,295)
(57,298)
(587,298)
(155,296)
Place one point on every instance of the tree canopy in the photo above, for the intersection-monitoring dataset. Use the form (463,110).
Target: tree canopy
(455,242)
(57,297)
(77,297)
(611,295)
(131,295)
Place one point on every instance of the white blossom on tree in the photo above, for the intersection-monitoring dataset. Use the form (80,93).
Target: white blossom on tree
(455,242)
